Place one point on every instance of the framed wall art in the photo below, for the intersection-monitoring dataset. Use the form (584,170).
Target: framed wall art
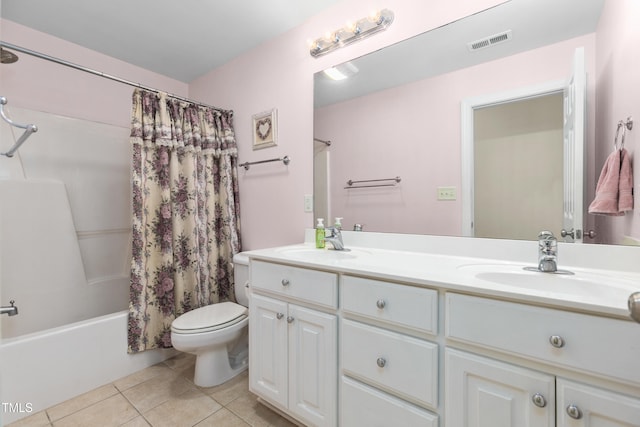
(265,129)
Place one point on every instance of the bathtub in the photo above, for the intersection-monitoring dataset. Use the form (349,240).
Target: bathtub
(45,368)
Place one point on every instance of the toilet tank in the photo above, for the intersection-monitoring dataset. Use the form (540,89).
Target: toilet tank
(241,277)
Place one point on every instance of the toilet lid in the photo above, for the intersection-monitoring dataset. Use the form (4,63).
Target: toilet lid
(210,317)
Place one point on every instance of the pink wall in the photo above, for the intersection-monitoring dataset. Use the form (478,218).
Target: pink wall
(618,68)
(45,86)
(420,139)
(279,74)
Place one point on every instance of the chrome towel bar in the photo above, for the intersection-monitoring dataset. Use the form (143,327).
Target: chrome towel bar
(383,183)
(284,160)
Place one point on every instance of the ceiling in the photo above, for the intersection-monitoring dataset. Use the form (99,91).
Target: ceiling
(181,39)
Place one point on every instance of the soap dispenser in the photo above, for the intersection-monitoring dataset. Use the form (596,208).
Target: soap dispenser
(320,235)
(338,223)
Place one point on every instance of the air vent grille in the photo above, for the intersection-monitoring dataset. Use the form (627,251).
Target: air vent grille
(490,41)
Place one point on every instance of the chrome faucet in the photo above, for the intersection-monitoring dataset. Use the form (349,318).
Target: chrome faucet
(547,252)
(11,311)
(335,238)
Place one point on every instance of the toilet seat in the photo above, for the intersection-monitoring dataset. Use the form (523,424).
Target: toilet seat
(209,318)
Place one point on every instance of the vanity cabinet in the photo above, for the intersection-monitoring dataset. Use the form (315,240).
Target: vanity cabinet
(484,391)
(292,343)
(387,364)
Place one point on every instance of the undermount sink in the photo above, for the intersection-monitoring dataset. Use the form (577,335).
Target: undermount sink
(574,283)
(314,254)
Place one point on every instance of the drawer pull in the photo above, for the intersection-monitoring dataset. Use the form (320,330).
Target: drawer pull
(290,319)
(574,412)
(556,341)
(279,316)
(381,362)
(381,304)
(285,282)
(539,400)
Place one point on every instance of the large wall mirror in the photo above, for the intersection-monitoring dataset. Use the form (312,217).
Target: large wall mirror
(395,121)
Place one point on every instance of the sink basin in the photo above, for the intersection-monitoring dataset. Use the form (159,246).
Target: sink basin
(574,284)
(313,254)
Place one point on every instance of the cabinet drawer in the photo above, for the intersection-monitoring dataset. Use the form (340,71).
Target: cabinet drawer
(366,406)
(400,364)
(317,287)
(402,305)
(586,343)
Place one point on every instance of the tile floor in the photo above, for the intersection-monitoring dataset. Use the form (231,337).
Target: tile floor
(161,395)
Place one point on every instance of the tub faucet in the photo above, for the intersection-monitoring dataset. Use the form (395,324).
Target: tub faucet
(335,238)
(547,252)
(11,311)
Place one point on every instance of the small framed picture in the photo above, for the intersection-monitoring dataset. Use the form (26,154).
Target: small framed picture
(265,129)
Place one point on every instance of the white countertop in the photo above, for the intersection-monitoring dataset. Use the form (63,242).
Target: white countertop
(599,291)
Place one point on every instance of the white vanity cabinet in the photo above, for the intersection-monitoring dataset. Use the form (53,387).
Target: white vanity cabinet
(293,341)
(389,370)
(484,391)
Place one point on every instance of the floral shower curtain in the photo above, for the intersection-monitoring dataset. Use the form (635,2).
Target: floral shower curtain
(186,217)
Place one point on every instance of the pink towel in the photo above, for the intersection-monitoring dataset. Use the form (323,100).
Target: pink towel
(607,189)
(625,188)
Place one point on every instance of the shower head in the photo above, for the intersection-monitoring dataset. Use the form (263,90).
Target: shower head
(7,57)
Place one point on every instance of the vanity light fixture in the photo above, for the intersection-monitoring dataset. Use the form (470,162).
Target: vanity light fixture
(352,32)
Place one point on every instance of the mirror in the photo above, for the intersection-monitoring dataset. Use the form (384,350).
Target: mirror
(398,114)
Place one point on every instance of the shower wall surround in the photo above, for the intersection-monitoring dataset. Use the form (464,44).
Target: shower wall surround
(65,222)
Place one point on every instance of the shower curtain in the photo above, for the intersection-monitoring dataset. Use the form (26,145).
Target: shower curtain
(186,216)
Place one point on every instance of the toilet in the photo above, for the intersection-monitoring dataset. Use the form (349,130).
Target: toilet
(218,333)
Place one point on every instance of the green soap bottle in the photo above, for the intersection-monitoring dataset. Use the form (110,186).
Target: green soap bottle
(320,234)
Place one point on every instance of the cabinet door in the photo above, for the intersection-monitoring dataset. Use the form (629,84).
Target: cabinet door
(268,349)
(313,382)
(482,392)
(581,406)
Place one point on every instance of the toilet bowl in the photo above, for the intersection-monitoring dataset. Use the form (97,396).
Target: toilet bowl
(217,334)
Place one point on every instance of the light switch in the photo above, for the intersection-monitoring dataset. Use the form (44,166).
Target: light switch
(446,193)
(308,202)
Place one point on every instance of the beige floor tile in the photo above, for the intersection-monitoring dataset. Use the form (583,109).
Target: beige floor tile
(80,402)
(38,419)
(223,417)
(182,411)
(157,390)
(138,421)
(141,376)
(231,390)
(113,411)
(181,361)
(255,414)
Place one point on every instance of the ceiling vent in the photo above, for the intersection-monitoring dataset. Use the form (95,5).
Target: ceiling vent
(490,41)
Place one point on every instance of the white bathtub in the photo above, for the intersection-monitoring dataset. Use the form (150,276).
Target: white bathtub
(45,368)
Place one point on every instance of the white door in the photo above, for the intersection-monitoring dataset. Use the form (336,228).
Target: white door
(268,349)
(584,406)
(313,355)
(574,143)
(482,392)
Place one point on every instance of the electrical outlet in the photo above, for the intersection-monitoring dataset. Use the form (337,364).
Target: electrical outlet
(446,193)
(308,203)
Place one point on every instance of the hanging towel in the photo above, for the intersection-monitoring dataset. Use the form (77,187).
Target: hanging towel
(607,189)
(625,187)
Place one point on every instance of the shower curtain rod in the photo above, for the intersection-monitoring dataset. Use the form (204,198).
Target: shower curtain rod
(99,73)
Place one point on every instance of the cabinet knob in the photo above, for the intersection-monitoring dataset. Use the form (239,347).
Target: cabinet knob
(556,341)
(381,304)
(574,412)
(285,282)
(634,306)
(279,316)
(290,319)
(539,400)
(381,362)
